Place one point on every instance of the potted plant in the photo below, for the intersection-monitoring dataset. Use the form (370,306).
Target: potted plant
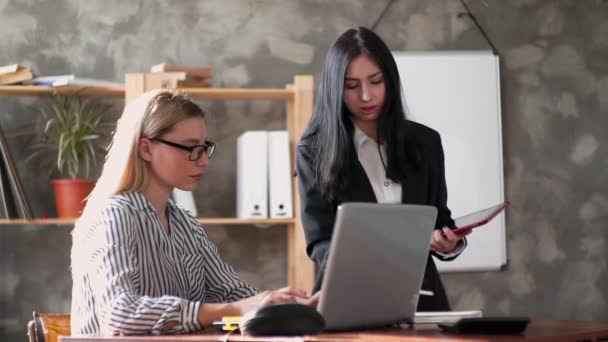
(73,138)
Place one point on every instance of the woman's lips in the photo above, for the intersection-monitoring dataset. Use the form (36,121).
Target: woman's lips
(368,109)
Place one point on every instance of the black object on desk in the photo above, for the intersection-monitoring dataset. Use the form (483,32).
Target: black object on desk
(487,325)
(283,320)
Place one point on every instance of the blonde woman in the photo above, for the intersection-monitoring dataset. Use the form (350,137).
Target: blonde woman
(141,264)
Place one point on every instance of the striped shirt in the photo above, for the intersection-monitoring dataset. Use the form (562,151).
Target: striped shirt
(131,277)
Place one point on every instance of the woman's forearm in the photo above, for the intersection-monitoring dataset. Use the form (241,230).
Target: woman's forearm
(208,313)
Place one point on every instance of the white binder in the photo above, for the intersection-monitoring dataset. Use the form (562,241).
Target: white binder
(252,175)
(279,177)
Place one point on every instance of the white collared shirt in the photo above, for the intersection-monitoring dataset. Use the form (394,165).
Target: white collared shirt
(386,190)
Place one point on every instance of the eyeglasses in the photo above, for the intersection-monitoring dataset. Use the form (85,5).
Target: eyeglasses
(196,151)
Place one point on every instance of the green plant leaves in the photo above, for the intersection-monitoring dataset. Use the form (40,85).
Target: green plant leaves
(74,136)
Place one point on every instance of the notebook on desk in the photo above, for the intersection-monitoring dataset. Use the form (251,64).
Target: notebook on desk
(375,265)
(436,317)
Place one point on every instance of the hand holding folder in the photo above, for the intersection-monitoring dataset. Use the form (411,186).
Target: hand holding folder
(465,224)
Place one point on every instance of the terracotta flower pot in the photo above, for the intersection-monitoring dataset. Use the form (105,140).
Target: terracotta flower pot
(70,195)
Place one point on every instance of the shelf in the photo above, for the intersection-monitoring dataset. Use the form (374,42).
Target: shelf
(298,98)
(24,90)
(239,93)
(199,93)
(207,221)
(235,221)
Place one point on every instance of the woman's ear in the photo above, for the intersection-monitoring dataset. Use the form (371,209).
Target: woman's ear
(144,148)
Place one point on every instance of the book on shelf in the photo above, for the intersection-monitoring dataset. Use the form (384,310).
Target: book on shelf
(7,69)
(193,84)
(91,82)
(180,79)
(171,79)
(64,80)
(191,72)
(18,76)
(48,80)
(14,203)
(172,75)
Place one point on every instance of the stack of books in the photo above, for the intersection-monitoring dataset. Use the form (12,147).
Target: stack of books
(180,76)
(65,80)
(14,74)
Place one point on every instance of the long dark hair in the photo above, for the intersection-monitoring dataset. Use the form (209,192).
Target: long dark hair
(330,130)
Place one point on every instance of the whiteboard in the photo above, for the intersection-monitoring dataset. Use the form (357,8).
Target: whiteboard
(458,95)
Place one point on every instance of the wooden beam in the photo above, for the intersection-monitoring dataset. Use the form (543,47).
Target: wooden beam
(137,84)
(24,90)
(207,221)
(301,270)
(238,94)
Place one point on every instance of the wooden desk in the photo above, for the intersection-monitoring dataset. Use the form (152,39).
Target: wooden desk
(538,330)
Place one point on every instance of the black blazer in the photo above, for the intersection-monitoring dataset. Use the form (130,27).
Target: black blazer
(422,185)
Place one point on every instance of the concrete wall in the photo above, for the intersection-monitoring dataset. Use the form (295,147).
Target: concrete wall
(554,57)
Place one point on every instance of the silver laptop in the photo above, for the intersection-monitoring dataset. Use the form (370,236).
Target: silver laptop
(375,265)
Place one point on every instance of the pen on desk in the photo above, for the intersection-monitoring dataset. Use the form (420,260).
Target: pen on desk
(426,293)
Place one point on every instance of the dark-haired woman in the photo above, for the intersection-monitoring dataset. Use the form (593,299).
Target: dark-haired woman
(360,147)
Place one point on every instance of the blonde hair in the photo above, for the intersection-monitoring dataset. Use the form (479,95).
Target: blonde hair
(150,115)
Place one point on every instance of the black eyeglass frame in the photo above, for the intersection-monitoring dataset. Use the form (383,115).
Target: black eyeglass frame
(208,148)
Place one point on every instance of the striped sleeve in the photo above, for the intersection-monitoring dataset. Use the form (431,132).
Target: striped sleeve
(223,283)
(115,274)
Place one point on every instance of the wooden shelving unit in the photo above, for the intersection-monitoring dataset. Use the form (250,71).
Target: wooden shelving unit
(23,90)
(199,93)
(299,101)
(204,221)
(239,94)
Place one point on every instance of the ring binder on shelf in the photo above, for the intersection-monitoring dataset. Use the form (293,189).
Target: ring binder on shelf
(279,180)
(252,175)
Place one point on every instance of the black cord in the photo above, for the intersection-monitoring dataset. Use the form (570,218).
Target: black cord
(381,157)
(469,14)
(382,14)
(386,183)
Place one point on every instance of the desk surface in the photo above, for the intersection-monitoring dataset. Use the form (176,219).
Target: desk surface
(538,330)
